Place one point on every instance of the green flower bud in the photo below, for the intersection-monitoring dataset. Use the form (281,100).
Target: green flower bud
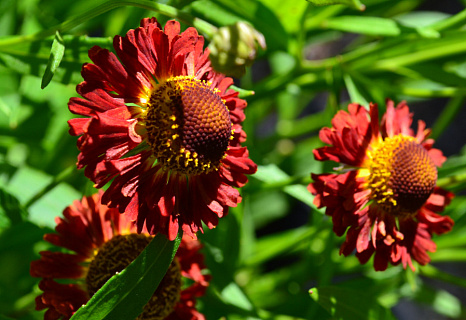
(234,47)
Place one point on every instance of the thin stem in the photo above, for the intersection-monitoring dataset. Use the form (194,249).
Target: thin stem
(286,182)
(301,37)
(433,52)
(62,176)
(203,26)
(449,23)
(448,114)
(434,273)
(430,93)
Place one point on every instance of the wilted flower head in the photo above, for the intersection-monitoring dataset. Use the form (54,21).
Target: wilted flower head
(385,197)
(103,242)
(234,47)
(163,128)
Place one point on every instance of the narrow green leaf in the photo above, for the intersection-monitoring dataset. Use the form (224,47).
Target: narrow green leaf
(56,55)
(276,244)
(457,20)
(270,174)
(349,304)
(355,4)
(416,51)
(353,91)
(301,193)
(434,273)
(374,26)
(126,293)
(449,255)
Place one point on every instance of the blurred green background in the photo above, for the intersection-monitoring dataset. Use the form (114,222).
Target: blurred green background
(267,253)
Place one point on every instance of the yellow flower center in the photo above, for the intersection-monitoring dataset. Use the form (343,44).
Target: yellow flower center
(117,254)
(188,125)
(401,175)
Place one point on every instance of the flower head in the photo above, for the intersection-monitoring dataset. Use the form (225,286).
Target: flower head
(164,128)
(104,242)
(385,197)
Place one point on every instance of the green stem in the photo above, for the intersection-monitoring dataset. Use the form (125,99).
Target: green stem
(291,180)
(62,176)
(448,114)
(203,26)
(272,85)
(448,182)
(325,13)
(206,28)
(449,23)
(434,273)
(442,50)
(368,50)
(430,93)
(301,37)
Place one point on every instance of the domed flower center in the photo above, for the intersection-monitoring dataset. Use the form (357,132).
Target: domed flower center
(117,254)
(188,125)
(402,175)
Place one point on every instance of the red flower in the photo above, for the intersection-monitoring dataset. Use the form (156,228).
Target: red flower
(105,242)
(165,127)
(385,197)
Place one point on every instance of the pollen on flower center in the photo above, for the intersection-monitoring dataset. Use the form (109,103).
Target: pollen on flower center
(402,175)
(188,125)
(117,254)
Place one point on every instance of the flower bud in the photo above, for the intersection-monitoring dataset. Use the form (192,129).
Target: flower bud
(234,47)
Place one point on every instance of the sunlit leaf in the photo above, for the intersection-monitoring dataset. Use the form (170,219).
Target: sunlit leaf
(374,26)
(56,55)
(356,4)
(233,294)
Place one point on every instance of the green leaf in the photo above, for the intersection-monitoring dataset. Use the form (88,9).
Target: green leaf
(267,206)
(126,293)
(11,207)
(18,246)
(56,55)
(232,294)
(32,58)
(350,304)
(434,273)
(276,244)
(373,26)
(43,195)
(301,193)
(270,174)
(412,51)
(447,304)
(353,91)
(355,4)
(418,19)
